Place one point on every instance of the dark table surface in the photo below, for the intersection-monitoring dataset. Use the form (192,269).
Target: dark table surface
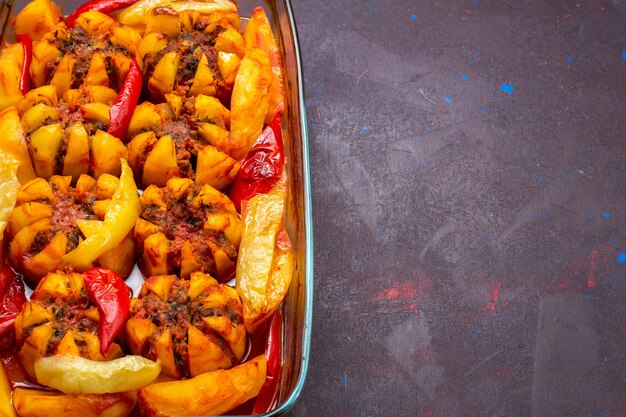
(469,197)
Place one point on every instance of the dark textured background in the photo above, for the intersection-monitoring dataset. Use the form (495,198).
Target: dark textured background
(469,198)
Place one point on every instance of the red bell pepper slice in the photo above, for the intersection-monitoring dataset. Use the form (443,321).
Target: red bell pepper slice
(273,353)
(27,46)
(122,109)
(103,6)
(109,292)
(12,298)
(263,165)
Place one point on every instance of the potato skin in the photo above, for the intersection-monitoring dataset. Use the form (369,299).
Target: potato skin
(211,393)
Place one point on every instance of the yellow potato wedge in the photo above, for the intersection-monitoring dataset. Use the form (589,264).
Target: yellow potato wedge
(36,403)
(211,393)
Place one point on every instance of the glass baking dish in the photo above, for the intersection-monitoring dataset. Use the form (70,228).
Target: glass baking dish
(297,309)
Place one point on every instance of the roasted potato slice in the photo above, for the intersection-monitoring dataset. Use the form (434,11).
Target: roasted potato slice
(250,100)
(38,403)
(211,393)
(265,264)
(37,18)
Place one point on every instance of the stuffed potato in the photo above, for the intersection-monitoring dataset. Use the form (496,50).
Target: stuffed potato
(68,136)
(185,228)
(188,53)
(50,220)
(59,319)
(96,51)
(189,326)
(169,139)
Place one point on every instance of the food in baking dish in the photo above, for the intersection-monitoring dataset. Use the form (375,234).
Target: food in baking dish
(147,137)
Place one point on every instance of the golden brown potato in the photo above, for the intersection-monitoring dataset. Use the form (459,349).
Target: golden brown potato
(258,34)
(67,137)
(59,319)
(96,51)
(217,12)
(37,18)
(177,61)
(38,403)
(266,263)
(14,143)
(6,408)
(168,137)
(250,100)
(211,393)
(11,62)
(44,225)
(189,326)
(186,227)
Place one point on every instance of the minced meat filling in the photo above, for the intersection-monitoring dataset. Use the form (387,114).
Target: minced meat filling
(189,47)
(82,47)
(67,209)
(175,315)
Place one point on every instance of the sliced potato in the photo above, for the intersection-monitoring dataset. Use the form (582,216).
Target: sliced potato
(212,393)
(37,403)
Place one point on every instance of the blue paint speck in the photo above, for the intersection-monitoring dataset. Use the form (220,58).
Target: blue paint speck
(625,380)
(624,55)
(475,2)
(381,229)
(513,308)
(476,332)
(464,77)
(536,366)
(602,413)
(366,128)
(590,221)
(450,14)
(490,237)
(483,110)
(345,380)
(570,59)
(413,17)
(414,217)
(606,214)
(621,258)
(448,99)
(507,88)
(570,316)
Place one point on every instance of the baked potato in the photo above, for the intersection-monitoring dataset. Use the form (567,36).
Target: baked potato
(187,137)
(50,220)
(96,51)
(184,227)
(68,136)
(188,326)
(59,319)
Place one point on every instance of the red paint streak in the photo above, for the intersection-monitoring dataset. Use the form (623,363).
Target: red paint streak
(495,293)
(582,272)
(401,292)
(428,412)
(591,278)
